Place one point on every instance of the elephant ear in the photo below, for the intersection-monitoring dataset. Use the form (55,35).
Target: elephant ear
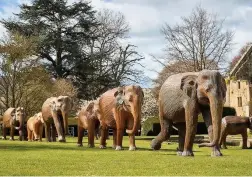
(189,85)
(90,107)
(223,87)
(52,104)
(68,102)
(119,91)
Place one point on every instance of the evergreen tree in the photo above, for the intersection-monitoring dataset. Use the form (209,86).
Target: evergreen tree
(63,30)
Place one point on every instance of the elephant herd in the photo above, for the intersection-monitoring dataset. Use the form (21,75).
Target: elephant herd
(181,98)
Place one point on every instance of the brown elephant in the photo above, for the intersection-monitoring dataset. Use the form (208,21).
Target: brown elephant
(120,108)
(181,98)
(233,125)
(35,127)
(55,112)
(14,118)
(88,119)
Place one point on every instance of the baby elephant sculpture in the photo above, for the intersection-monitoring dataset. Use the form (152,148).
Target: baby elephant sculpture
(233,125)
(120,108)
(88,119)
(55,114)
(35,127)
(13,118)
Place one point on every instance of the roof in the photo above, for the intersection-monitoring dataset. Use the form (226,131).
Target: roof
(243,59)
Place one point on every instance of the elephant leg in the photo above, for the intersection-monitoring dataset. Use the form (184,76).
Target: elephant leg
(222,137)
(166,126)
(191,118)
(181,133)
(114,139)
(35,132)
(4,132)
(80,136)
(208,121)
(104,131)
(132,145)
(91,133)
(32,136)
(120,126)
(54,133)
(47,132)
(29,132)
(21,134)
(40,132)
(244,139)
(12,133)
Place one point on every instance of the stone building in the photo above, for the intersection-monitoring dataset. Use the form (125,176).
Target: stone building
(239,85)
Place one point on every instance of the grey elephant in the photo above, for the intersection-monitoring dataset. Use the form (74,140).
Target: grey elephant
(181,98)
(55,112)
(13,118)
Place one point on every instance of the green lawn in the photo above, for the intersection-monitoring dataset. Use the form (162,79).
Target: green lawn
(41,158)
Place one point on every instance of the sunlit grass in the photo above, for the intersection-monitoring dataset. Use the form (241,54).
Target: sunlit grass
(42,158)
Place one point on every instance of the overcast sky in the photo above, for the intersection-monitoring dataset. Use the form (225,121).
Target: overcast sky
(147,16)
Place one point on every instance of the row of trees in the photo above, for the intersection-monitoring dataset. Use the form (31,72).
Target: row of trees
(54,48)
(83,49)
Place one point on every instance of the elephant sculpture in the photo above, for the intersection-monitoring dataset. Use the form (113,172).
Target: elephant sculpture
(88,119)
(233,125)
(120,108)
(14,118)
(35,127)
(181,98)
(55,112)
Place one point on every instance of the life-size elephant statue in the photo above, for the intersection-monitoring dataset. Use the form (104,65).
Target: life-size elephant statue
(233,125)
(120,108)
(14,118)
(88,119)
(55,114)
(35,127)
(181,98)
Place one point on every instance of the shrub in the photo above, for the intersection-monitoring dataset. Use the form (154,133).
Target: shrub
(228,111)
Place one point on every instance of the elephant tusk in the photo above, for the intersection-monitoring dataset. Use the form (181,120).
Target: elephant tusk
(17,128)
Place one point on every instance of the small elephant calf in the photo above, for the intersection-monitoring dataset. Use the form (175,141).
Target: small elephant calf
(233,125)
(35,127)
(88,119)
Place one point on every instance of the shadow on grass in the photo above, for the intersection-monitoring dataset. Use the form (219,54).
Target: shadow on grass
(53,146)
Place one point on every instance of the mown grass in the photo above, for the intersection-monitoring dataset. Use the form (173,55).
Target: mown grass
(42,158)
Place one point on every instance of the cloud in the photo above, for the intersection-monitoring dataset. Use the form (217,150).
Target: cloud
(147,16)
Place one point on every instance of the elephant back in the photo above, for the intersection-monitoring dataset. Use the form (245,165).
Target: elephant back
(7,116)
(175,80)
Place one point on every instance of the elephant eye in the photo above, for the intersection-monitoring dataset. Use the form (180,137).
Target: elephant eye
(130,98)
(205,77)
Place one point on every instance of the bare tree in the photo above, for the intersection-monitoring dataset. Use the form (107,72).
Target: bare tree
(114,63)
(198,41)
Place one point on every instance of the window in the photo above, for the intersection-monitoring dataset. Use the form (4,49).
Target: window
(239,84)
(239,101)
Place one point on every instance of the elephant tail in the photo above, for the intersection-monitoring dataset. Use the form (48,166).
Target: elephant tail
(212,144)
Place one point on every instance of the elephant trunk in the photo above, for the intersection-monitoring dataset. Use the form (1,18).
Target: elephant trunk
(136,112)
(65,122)
(216,108)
